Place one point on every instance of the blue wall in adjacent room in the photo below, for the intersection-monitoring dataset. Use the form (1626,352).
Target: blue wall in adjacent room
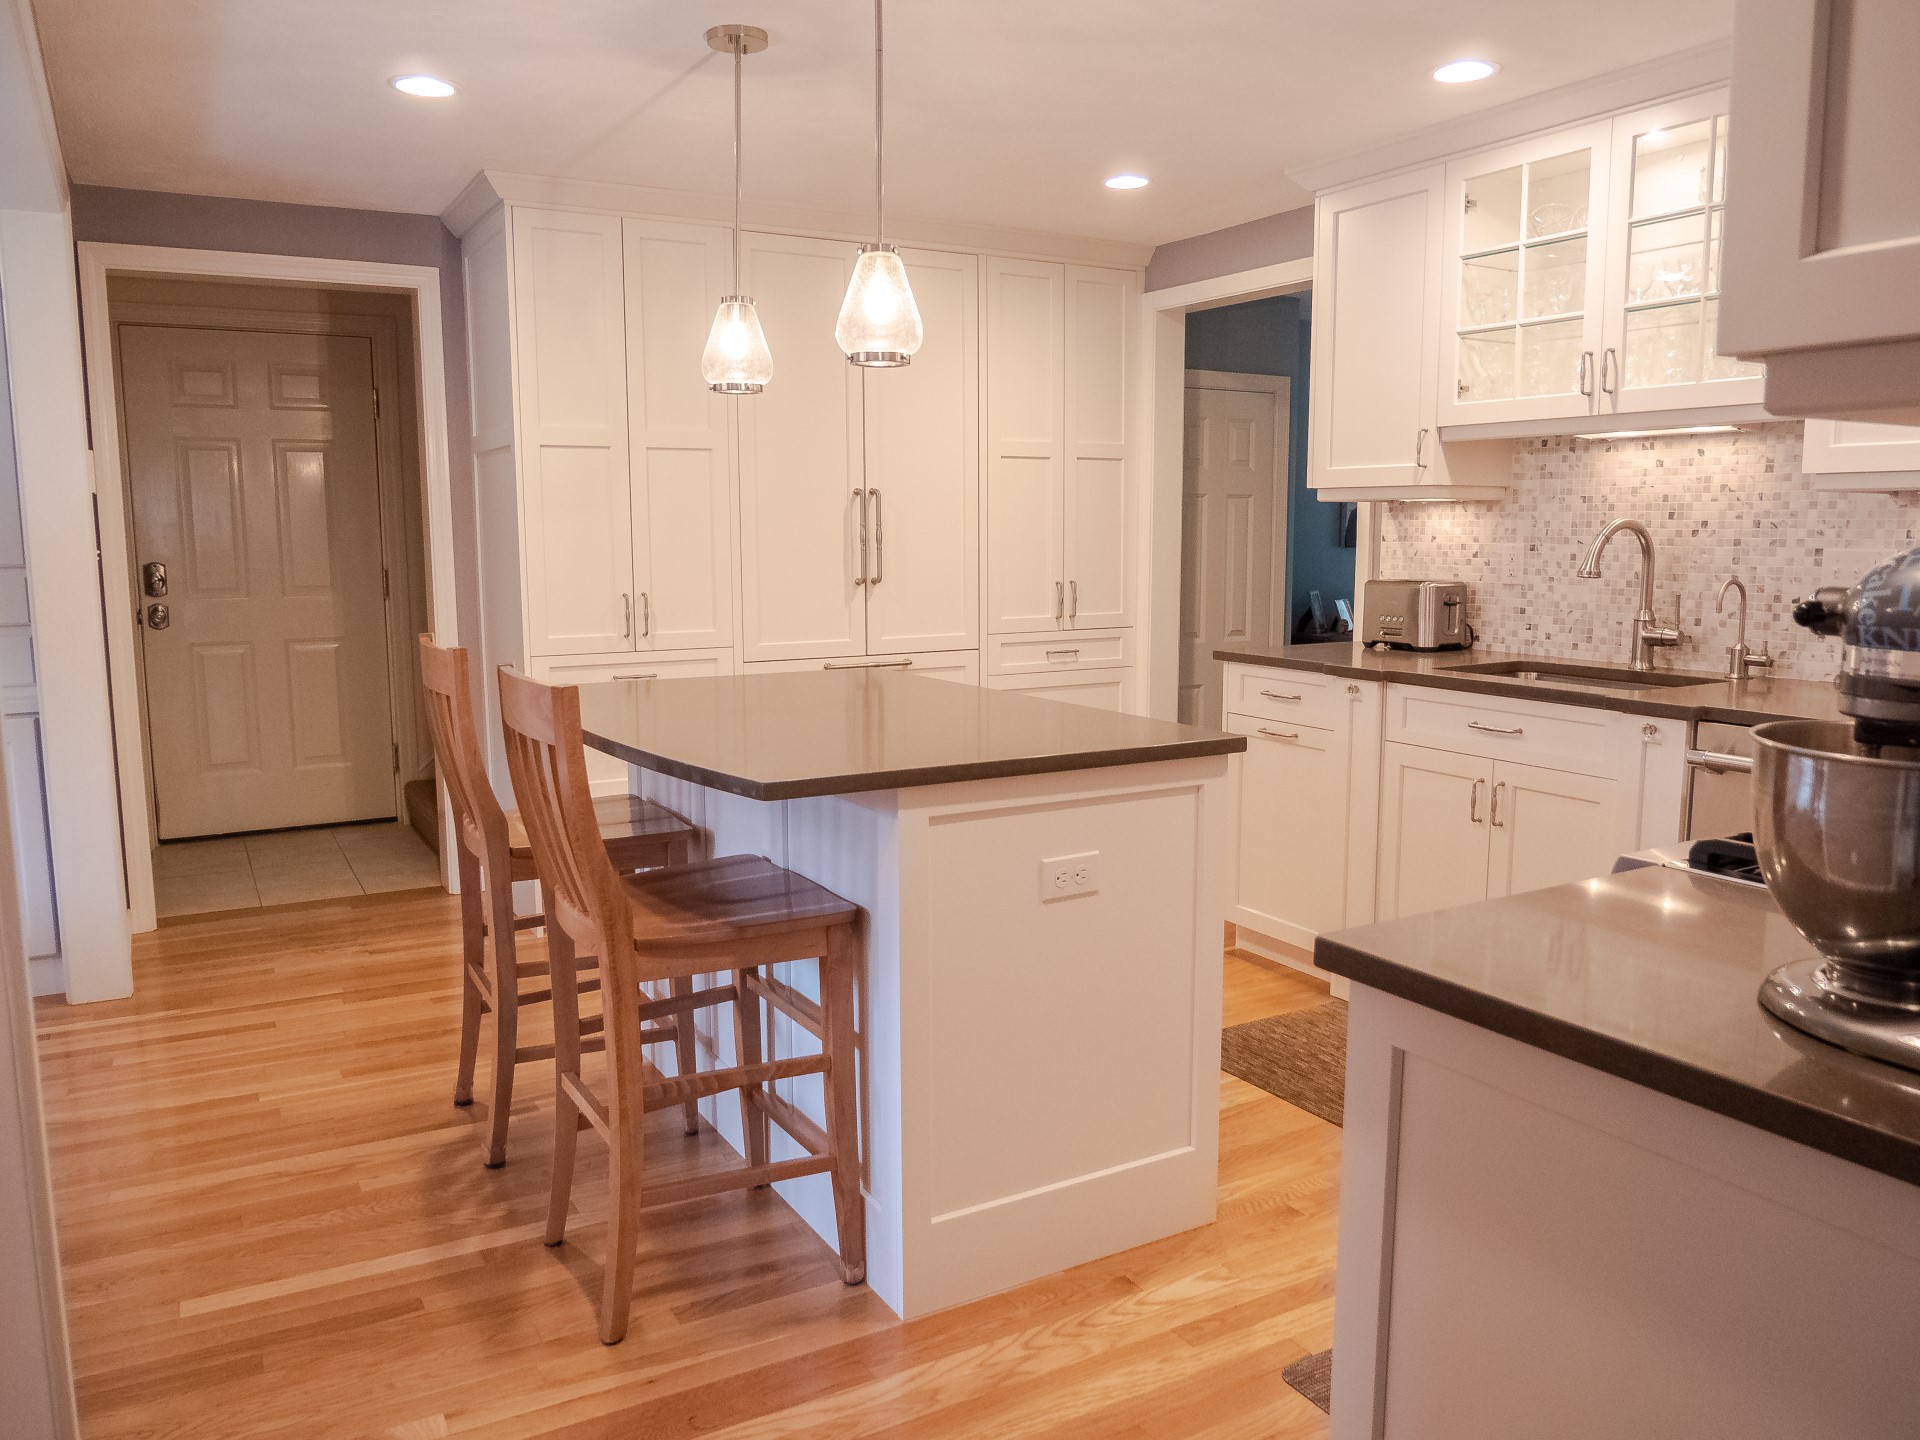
(1270,337)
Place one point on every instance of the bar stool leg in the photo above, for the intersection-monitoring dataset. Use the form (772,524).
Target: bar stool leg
(506,1012)
(747,1051)
(626,1121)
(683,1049)
(567,1119)
(843,1100)
(473,954)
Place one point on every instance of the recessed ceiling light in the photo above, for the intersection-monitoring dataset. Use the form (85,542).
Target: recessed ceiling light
(427,87)
(1125,182)
(1460,72)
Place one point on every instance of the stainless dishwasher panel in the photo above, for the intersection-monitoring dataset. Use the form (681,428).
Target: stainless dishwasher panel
(1719,793)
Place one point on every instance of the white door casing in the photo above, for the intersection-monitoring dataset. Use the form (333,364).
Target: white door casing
(254,478)
(1234,532)
(922,471)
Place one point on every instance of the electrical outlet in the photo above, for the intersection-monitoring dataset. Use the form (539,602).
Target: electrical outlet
(1065,876)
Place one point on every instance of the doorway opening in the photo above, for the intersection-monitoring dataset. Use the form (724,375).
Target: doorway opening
(1264,562)
(270,444)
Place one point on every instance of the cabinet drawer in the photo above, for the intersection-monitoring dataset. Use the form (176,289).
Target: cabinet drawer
(961,665)
(1066,650)
(1559,737)
(1101,689)
(573,670)
(1305,696)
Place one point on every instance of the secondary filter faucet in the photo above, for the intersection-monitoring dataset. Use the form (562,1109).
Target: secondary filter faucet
(1742,659)
(1647,629)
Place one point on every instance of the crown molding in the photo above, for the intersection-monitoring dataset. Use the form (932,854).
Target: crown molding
(491,188)
(1700,68)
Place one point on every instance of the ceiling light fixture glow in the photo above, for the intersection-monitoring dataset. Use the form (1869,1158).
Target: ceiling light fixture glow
(879,325)
(1126,182)
(1463,72)
(426,87)
(736,360)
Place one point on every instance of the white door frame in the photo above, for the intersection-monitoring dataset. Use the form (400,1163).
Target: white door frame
(1162,337)
(98,261)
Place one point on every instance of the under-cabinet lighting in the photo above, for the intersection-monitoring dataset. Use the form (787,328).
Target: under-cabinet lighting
(1653,434)
(426,87)
(1463,72)
(1126,182)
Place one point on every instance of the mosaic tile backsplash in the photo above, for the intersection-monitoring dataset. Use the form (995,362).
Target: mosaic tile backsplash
(1717,505)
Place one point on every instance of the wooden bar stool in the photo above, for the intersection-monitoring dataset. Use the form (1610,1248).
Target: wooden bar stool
(493,853)
(738,914)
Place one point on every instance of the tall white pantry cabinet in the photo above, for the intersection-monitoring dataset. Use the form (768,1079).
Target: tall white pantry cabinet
(633,524)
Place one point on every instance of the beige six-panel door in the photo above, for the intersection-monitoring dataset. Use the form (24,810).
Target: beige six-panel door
(254,477)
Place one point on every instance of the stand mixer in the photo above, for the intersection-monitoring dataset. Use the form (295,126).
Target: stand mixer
(1837,826)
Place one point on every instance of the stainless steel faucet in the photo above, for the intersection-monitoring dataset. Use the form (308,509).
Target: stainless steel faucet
(1741,661)
(1647,629)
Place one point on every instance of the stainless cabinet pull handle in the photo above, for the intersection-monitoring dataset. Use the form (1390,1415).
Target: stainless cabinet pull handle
(1473,802)
(626,617)
(1280,734)
(1073,599)
(1586,373)
(879,537)
(1496,729)
(868,664)
(1074,651)
(1607,362)
(646,614)
(1719,763)
(1496,805)
(1277,695)
(639,675)
(1059,601)
(1420,450)
(860,498)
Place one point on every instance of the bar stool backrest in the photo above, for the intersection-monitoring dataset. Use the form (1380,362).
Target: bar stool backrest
(478,818)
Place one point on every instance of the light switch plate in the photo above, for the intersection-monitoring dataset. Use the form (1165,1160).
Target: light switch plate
(1064,876)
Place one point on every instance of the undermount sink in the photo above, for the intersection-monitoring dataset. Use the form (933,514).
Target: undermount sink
(1598,677)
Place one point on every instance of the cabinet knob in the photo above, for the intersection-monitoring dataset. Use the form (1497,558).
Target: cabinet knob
(1353,689)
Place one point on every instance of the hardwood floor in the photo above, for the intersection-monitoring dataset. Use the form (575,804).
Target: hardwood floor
(275,1223)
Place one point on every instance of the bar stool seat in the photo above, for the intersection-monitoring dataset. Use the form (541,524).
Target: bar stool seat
(639,834)
(732,897)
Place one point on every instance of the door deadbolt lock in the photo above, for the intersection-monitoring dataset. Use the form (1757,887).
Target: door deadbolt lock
(159,617)
(154,579)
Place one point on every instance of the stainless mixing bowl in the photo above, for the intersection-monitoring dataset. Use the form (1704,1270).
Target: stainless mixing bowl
(1838,831)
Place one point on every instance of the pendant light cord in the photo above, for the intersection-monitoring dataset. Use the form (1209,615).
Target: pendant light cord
(879,127)
(739,50)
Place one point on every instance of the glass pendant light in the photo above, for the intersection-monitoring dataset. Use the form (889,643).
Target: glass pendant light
(879,323)
(736,360)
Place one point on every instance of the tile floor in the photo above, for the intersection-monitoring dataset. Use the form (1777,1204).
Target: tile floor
(242,872)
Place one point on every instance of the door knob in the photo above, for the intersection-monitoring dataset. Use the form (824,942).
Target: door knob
(159,617)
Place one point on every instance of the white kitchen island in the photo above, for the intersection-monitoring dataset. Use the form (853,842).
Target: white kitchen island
(1040,1068)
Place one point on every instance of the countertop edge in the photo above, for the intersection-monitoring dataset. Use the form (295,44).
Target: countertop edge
(1488,685)
(1806,1125)
(914,778)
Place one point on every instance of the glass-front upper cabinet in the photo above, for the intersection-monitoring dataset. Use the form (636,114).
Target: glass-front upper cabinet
(1667,203)
(1523,281)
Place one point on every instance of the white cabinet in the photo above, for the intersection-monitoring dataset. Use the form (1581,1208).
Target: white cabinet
(1823,259)
(1433,829)
(1305,821)
(1102,689)
(1546,827)
(607,774)
(859,488)
(1862,455)
(1057,446)
(628,538)
(1376,340)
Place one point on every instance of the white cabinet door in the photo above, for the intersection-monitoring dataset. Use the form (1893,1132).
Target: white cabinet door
(1859,455)
(682,487)
(1666,218)
(1524,236)
(1433,829)
(923,471)
(1099,304)
(1549,827)
(1026,445)
(1102,689)
(1291,874)
(570,339)
(1376,324)
(32,846)
(803,573)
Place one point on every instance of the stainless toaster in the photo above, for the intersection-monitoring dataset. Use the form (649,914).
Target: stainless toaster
(1415,614)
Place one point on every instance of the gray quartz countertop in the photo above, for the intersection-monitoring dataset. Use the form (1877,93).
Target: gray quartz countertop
(1745,702)
(1654,976)
(788,734)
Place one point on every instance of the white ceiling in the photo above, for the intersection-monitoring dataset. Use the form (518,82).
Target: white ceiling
(1001,112)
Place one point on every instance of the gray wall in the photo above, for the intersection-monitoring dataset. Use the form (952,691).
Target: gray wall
(1270,240)
(1271,337)
(261,227)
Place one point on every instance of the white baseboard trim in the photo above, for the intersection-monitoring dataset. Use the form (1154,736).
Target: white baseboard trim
(1284,951)
(47,975)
